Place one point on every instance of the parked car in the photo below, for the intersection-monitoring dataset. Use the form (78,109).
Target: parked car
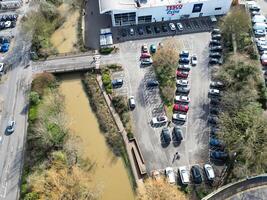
(1,68)
(180,107)
(216,37)
(214,111)
(215,61)
(180,26)
(131,31)
(184,54)
(131,102)
(156,29)
(184,90)
(5,47)
(4,40)
(216,31)
(214,101)
(169,172)
(216,49)
(196,174)
(194,60)
(179,117)
(208,169)
(215,43)
(146,61)
(214,92)
(165,136)
(145,55)
(182,74)
(216,143)
(184,175)
(183,60)
(215,55)
(152,83)
(182,82)
(261,43)
(216,84)
(184,67)
(153,48)
(148,30)
(219,155)
(144,48)
(172,26)
(214,130)
(182,99)
(264,59)
(177,135)
(262,48)
(10,127)
(140,30)
(164,28)
(260,33)
(213,120)
(159,120)
(117,83)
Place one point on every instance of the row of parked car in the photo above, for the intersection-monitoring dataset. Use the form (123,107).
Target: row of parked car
(196,174)
(215,46)
(216,146)
(8,17)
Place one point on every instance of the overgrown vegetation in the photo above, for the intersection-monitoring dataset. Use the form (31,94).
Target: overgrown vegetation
(106,79)
(106,50)
(52,169)
(236,31)
(165,64)
(243,124)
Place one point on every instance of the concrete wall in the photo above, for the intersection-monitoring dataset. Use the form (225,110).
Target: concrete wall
(179,10)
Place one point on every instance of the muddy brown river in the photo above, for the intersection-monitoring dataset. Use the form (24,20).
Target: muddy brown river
(109,172)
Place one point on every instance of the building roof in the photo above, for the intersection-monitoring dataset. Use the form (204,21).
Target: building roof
(109,5)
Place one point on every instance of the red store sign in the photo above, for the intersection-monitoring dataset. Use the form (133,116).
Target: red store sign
(173,9)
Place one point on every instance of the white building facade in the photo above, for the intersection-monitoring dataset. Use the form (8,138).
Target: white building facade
(130,12)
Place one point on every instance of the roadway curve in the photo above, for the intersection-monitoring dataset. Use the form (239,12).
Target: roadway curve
(251,188)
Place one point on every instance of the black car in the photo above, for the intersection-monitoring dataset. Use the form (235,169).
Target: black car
(214,111)
(152,83)
(216,49)
(148,30)
(218,155)
(213,120)
(215,101)
(13,24)
(196,174)
(183,60)
(214,130)
(215,43)
(117,83)
(177,135)
(4,40)
(140,30)
(164,28)
(215,143)
(216,37)
(215,55)
(157,29)
(184,90)
(165,136)
(215,61)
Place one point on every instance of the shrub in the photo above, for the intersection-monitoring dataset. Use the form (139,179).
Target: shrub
(34,98)
(106,79)
(43,81)
(106,50)
(120,104)
(33,113)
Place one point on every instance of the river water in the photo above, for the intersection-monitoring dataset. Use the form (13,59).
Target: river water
(109,172)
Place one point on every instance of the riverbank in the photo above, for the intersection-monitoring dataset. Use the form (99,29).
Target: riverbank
(109,171)
(53,169)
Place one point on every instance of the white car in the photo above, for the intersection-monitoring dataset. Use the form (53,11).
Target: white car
(131,102)
(261,43)
(260,39)
(184,174)
(194,60)
(172,26)
(159,120)
(179,117)
(169,172)
(7,24)
(146,61)
(214,92)
(260,32)
(180,26)
(11,126)
(182,82)
(209,172)
(144,48)
(182,99)
(184,67)
(217,84)
(1,68)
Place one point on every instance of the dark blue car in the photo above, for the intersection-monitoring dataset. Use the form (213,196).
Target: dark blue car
(218,155)
(216,143)
(5,47)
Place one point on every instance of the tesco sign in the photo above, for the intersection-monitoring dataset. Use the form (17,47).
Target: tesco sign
(173,9)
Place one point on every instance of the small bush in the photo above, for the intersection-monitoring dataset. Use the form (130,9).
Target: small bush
(43,81)
(33,113)
(34,98)
(130,135)
(114,67)
(106,79)
(120,104)
(106,51)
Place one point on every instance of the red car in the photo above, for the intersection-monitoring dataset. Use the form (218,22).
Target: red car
(182,74)
(145,55)
(180,107)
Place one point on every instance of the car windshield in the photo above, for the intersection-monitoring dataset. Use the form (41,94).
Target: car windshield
(160,118)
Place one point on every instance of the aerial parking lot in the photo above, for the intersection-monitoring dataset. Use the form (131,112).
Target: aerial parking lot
(194,148)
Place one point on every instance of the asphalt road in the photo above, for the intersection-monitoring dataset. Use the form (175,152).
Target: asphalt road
(13,92)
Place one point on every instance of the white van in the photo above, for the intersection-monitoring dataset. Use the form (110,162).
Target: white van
(259,19)
(259,26)
(131,102)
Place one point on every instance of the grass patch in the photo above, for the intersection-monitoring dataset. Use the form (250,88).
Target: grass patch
(106,50)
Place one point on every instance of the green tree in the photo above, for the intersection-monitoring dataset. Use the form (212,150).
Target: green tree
(34,98)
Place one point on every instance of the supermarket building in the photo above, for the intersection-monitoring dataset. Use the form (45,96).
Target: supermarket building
(131,12)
